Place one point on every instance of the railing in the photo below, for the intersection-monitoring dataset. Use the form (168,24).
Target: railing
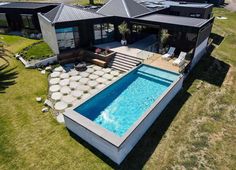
(148,51)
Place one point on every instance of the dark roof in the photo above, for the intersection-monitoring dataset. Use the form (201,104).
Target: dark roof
(25,5)
(123,8)
(66,13)
(176,20)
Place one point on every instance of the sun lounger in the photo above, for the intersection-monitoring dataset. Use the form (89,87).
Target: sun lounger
(169,54)
(180,60)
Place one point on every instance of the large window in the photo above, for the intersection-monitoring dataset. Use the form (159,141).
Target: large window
(3,20)
(103,33)
(67,38)
(27,20)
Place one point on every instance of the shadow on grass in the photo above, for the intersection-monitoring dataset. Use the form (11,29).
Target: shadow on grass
(217,39)
(7,77)
(210,70)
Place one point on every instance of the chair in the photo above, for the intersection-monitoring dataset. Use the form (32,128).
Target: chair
(169,54)
(180,60)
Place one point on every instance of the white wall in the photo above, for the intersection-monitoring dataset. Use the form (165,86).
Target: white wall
(199,52)
(49,33)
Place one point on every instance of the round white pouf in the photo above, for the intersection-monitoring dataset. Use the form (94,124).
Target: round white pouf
(64,76)
(64,82)
(56,96)
(83,88)
(83,80)
(93,91)
(90,70)
(68,99)
(73,85)
(77,93)
(92,84)
(73,73)
(65,90)
(85,96)
(97,68)
(54,88)
(100,86)
(99,73)
(108,76)
(115,73)
(60,106)
(84,74)
(60,69)
(54,81)
(106,70)
(55,74)
(75,78)
(93,77)
(101,80)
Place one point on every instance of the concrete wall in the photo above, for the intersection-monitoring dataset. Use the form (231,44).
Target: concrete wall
(118,153)
(49,33)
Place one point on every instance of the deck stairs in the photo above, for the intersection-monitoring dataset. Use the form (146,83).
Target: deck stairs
(124,62)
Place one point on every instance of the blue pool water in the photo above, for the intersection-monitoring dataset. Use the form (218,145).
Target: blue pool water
(117,107)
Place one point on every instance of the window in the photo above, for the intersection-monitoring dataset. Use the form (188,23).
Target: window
(3,20)
(27,20)
(67,37)
(195,15)
(103,32)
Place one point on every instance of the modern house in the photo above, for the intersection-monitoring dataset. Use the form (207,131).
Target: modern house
(18,16)
(66,28)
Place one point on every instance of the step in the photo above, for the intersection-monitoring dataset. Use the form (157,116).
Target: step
(121,66)
(118,68)
(123,63)
(128,57)
(98,62)
(125,60)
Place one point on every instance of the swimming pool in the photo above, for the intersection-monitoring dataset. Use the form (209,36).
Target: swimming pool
(114,119)
(121,104)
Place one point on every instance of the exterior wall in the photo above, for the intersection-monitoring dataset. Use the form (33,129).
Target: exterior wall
(49,33)
(118,153)
(187,11)
(199,52)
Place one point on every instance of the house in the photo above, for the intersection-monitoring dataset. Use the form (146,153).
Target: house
(18,16)
(66,28)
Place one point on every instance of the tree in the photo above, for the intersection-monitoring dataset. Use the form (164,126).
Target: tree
(3,53)
(123,29)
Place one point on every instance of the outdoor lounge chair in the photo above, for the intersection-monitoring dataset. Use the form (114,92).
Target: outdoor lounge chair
(169,54)
(180,60)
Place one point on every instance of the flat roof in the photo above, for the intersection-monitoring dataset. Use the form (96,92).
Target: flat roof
(169,3)
(25,5)
(177,20)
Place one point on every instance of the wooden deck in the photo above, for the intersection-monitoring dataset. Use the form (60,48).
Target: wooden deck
(157,61)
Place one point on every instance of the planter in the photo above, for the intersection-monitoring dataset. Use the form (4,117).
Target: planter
(101,55)
(123,42)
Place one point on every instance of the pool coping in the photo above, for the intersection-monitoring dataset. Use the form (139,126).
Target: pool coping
(106,134)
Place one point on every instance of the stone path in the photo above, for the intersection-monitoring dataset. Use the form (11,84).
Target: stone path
(69,88)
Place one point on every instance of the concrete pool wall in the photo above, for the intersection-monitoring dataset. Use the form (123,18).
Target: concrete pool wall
(114,147)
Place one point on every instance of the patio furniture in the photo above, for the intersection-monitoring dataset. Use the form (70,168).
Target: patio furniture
(80,66)
(180,60)
(169,54)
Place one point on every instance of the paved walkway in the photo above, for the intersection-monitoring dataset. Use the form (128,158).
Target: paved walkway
(67,88)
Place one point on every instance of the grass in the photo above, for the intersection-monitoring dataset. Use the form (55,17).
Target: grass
(197,130)
(38,51)
(16,43)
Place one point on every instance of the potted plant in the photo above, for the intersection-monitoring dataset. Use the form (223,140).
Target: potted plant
(123,29)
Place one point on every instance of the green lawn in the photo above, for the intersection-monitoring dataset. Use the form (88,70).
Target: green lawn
(38,51)
(16,43)
(197,130)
